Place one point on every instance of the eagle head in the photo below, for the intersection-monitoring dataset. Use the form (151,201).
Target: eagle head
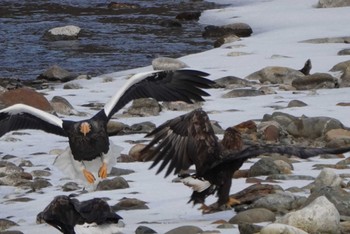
(85,128)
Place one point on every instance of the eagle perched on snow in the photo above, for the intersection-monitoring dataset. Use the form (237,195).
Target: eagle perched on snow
(190,140)
(88,139)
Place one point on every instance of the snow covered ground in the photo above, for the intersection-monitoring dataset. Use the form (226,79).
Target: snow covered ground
(278,27)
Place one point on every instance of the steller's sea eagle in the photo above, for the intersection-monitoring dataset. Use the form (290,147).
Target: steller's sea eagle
(88,139)
(66,214)
(190,140)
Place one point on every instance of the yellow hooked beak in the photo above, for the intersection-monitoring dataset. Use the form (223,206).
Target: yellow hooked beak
(85,128)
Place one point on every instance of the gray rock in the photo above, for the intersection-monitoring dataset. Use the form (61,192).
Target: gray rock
(8,168)
(265,166)
(315,81)
(342,66)
(188,229)
(327,177)
(116,128)
(230,82)
(255,215)
(327,40)
(40,183)
(296,103)
(165,63)
(69,32)
(249,228)
(277,228)
(181,106)
(344,52)
(336,195)
(130,204)
(144,230)
(56,73)
(41,173)
(280,202)
(72,85)
(11,232)
(226,39)
(70,186)
(320,216)
(6,223)
(120,171)
(238,29)
(111,184)
(289,177)
(333,3)
(144,107)
(275,75)
(62,106)
(243,93)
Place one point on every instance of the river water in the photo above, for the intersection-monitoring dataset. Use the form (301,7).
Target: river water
(112,40)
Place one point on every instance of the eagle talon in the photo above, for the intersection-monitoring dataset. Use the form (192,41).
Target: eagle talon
(232,202)
(102,172)
(89,176)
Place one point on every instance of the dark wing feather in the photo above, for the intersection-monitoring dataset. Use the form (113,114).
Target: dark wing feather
(180,85)
(26,120)
(95,210)
(256,150)
(183,141)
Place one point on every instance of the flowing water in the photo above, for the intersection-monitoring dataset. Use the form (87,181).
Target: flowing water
(111,40)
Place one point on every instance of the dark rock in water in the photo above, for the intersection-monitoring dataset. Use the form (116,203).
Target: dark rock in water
(315,81)
(194,15)
(6,223)
(130,204)
(111,184)
(56,73)
(188,229)
(170,23)
(144,230)
(255,215)
(238,29)
(25,96)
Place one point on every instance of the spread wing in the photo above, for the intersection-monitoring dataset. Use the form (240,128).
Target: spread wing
(20,116)
(256,150)
(180,85)
(183,141)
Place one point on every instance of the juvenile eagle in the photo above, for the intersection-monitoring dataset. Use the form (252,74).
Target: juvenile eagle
(190,140)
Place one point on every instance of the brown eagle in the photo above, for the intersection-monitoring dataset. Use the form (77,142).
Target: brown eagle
(190,140)
(88,139)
